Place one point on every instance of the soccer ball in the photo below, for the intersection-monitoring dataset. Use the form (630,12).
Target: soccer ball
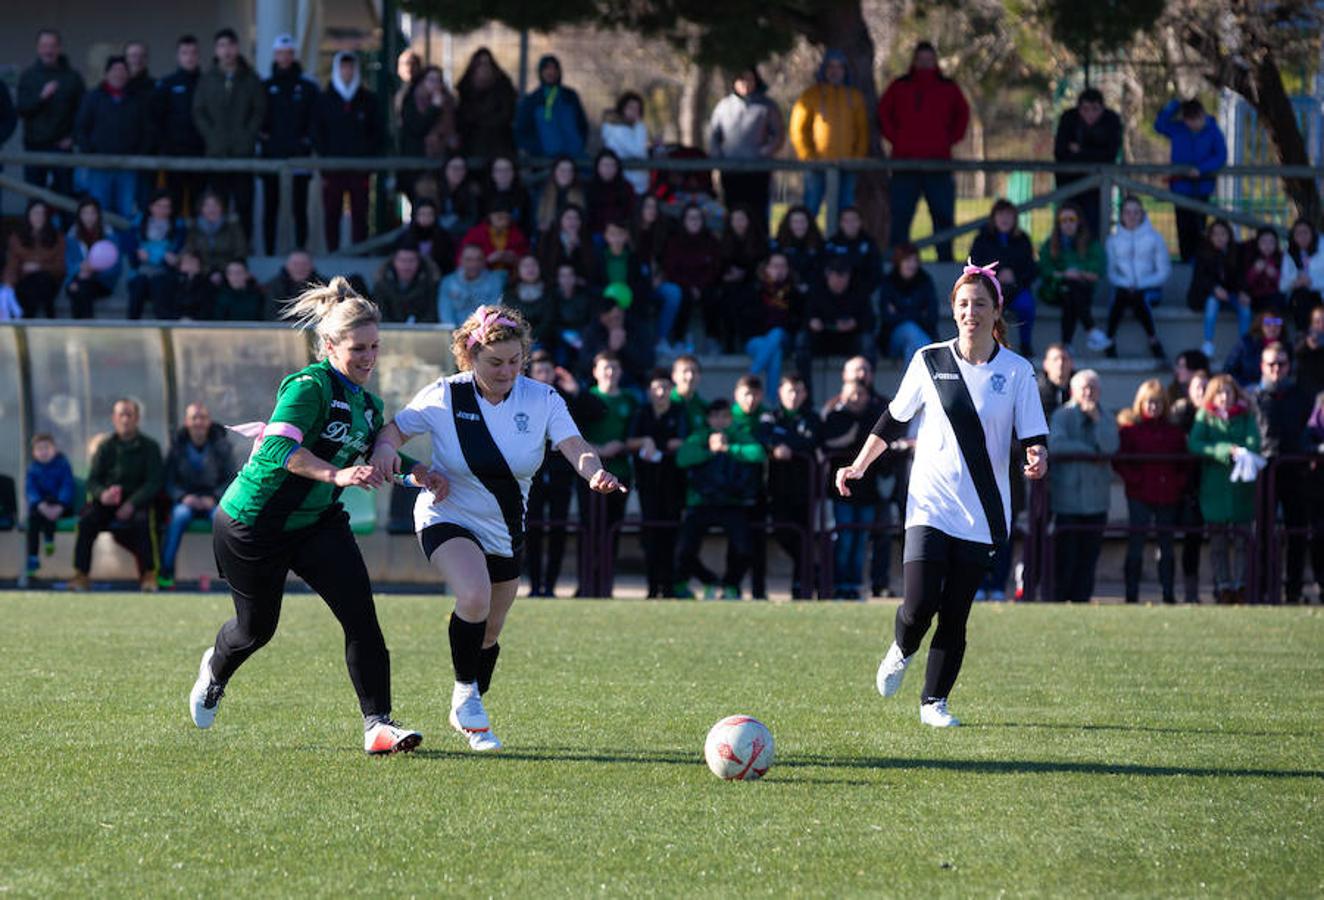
(739,748)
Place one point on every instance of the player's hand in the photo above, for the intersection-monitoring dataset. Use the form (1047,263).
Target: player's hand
(845,474)
(437,483)
(385,460)
(125,512)
(111,495)
(605,483)
(782,453)
(1036,462)
(358,476)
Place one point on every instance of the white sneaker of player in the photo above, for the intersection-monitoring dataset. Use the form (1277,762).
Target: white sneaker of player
(206,693)
(936,714)
(388,737)
(470,719)
(892,670)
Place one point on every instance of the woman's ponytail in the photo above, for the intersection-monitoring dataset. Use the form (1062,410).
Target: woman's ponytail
(331,311)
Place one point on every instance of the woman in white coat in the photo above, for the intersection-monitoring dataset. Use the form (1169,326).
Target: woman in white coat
(1302,278)
(1138,266)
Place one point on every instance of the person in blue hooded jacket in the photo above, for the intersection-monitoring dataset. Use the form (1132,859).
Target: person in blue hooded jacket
(550,120)
(1196,141)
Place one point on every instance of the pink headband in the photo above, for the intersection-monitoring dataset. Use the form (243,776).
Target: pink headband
(488,319)
(987,272)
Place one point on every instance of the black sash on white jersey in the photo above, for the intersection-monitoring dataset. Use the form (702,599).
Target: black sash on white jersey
(969,431)
(484,459)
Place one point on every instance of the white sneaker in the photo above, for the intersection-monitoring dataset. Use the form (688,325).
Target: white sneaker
(206,693)
(1097,339)
(388,737)
(1207,348)
(936,714)
(892,670)
(470,719)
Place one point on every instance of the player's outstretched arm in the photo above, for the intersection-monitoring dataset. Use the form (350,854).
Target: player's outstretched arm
(872,449)
(584,459)
(385,458)
(303,463)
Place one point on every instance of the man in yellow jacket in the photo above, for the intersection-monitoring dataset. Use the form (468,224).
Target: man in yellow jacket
(829,121)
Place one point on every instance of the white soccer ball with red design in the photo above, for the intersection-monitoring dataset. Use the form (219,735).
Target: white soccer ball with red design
(739,748)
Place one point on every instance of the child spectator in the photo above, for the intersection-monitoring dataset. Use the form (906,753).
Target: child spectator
(286,132)
(1302,278)
(198,469)
(829,122)
(1225,429)
(621,331)
(1070,264)
(799,238)
(923,115)
(548,509)
(346,123)
(746,124)
(111,120)
(574,312)
(214,238)
(1282,409)
(1138,267)
(857,247)
(1261,268)
(792,434)
(1184,410)
(838,321)
(1080,488)
(49,94)
(550,120)
(625,134)
(49,490)
(34,262)
(609,197)
(1087,133)
(1055,379)
(604,419)
(1216,283)
(406,286)
(504,188)
(152,247)
(487,107)
(229,107)
(529,294)
(83,284)
(724,467)
(470,286)
(692,261)
(568,243)
(747,416)
(1001,240)
(659,428)
(1308,359)
(908,307)
(1243,363)
(239,299)
(1154,490)
(500,240)
(192,294)
(296,275)
(433,241)
(1196,141)
(743,247)
(772,322)
(845,430)
(686,373)
(561,190)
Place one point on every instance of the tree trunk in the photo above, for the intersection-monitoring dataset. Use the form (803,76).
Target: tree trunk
(978,151)
(694,97)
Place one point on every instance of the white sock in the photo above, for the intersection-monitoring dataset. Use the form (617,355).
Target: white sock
(462,691)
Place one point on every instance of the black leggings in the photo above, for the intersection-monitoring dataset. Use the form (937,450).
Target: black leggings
(942,574)
(1125,299)
(326,556)
(1077,298)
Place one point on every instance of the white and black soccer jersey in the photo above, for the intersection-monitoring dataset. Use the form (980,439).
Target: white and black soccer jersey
(489,453)
(958,481)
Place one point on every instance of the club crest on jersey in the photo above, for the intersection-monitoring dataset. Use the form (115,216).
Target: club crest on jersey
(998,382)
(522,423)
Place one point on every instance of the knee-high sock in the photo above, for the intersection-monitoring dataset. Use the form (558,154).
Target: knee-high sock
(466,648)
(487,660)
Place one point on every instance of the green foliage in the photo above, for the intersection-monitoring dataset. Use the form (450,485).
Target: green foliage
(535,15)
(1099,26)
(1108,751)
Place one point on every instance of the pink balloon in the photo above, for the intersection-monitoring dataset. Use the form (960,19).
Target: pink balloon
(102,255)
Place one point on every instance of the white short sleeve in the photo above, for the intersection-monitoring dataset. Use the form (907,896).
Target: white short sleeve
(559,424)
(910,395)
(412,420)
(1030,420)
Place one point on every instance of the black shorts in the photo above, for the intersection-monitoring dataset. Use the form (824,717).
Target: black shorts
(931,545)
(499,568)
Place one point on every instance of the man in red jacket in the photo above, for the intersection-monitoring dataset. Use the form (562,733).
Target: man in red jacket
(922,115)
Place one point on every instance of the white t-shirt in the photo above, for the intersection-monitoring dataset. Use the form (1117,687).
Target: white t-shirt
(532,414)
(942,491)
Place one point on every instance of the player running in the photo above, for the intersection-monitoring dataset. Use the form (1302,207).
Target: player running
(488,426)
(282,513)
(970,394)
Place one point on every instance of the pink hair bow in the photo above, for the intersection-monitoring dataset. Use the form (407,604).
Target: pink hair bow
(488,318)
(987,272)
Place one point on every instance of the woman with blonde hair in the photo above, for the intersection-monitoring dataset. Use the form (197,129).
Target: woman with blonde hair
(1154,488)
(488,426)
(282,513)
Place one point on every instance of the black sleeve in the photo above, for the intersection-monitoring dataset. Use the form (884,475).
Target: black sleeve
(888,428)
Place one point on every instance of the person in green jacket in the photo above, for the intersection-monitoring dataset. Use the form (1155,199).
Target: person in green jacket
(123,482)
(1224,429)
(229,106)
(686,373)
(1071,262)
(725,468)
(747,414)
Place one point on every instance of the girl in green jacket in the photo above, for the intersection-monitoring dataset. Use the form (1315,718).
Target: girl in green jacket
(1070,264)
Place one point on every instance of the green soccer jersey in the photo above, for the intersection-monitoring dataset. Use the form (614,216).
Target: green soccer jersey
(614,425)
(339,422)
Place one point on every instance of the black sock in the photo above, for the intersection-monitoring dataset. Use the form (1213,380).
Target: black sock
(466,647)
(487,658)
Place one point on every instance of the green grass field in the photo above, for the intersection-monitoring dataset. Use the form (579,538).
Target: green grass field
(1108,750)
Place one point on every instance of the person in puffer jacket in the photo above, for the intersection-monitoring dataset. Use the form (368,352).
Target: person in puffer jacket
(829,121)
(1138,267)
(1198,142)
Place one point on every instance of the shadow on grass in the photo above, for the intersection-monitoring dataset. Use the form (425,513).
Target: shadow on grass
(1068,726)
